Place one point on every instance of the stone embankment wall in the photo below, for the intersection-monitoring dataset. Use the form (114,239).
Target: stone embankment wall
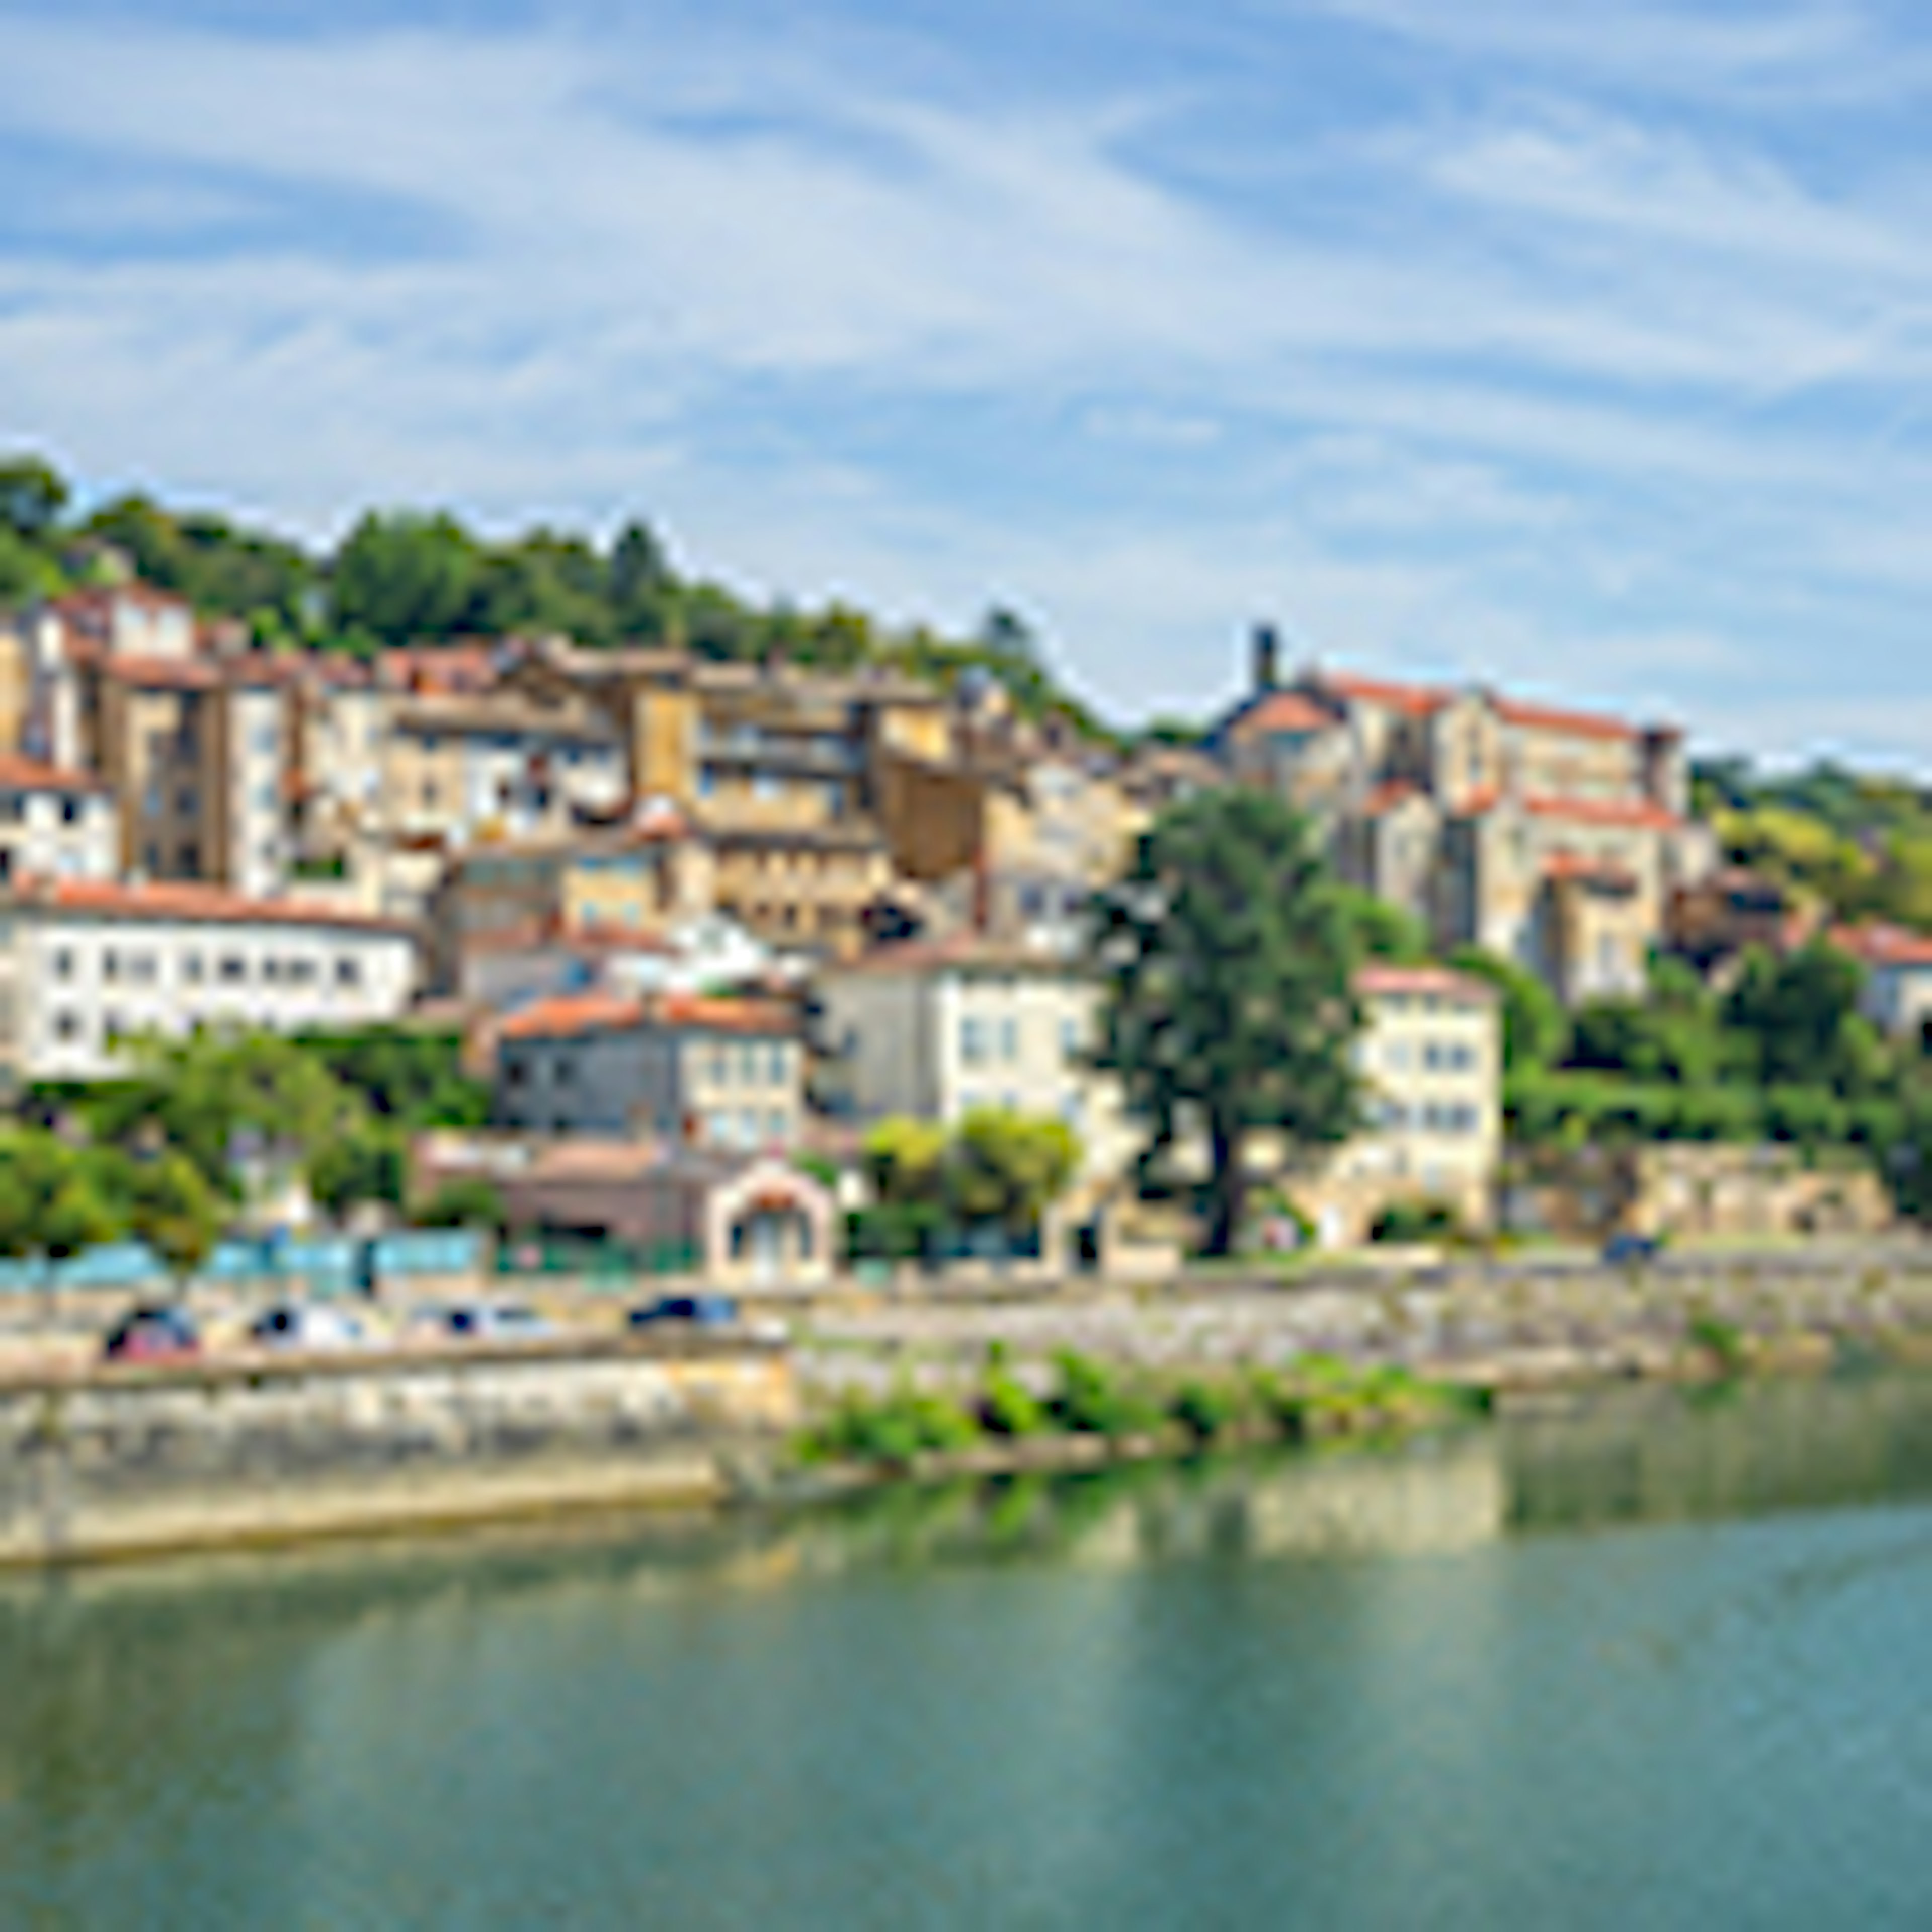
(123,1461)
(1528,1322)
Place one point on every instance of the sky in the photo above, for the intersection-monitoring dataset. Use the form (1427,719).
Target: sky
(1587,349)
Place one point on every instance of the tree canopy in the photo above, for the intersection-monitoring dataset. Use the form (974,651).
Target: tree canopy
(1227,956)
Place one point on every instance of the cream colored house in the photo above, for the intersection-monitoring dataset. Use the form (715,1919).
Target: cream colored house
(935,1031)
(54,824)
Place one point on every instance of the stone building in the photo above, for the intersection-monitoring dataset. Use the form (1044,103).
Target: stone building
(1550,837)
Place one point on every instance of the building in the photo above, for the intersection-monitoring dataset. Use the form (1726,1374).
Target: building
(1897,993)
(1553,838)
(935,1030)
(86,965)
(54,824)
(501,971)
(721,1074)
(738,1222)
(1430,1059)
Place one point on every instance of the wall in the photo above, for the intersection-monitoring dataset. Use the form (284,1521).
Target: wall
(122,1461)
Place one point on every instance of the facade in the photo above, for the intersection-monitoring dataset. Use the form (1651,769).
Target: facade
(934,1031)
(54,824)
(86,965)
(1430,1057)
(720,1074)
(757,1223)
(1554,838)
(1898,994)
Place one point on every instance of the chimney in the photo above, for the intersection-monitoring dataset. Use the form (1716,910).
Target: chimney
(1267,658)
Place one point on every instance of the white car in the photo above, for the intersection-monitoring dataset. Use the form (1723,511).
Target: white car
(495,1322)
(308,1324)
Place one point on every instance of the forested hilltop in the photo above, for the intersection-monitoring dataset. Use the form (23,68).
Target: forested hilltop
(409,577)
(1851,845)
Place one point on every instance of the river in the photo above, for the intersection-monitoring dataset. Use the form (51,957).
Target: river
(1646,1659)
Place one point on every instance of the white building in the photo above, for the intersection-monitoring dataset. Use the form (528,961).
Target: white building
(86,965)
(1897,996)
(934,1031)
(54,824)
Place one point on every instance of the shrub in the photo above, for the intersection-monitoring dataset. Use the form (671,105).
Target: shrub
(1723,1341)
(893,1429)
(1007,1407)
(1092,1399)
(1205,1409)
(1405,1221)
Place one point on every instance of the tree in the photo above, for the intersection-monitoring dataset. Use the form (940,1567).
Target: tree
(1535,1028)
(1800,1015)
(369,1162)
(173,1209)
(1227,961)
(464,1203)
(33,495)
(402,576)
(1382,931)
(1009,1168)
(905,1162)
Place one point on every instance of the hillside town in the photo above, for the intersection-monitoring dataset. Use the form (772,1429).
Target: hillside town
(706,927)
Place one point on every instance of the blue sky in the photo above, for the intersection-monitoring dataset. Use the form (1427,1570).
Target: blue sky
(1588,349)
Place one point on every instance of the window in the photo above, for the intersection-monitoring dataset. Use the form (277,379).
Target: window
(563,1071)
(348,972)
(1070,1039)
(141,968)
(775,1126)
(748,1065)
(266,738)
(748,1128)
(64,963)
(190,968)
(110,965)
(72,811)
(721,1065)
(775,1063)
(67,1026)
(188,801)
(972,1040)
(234,968)
(1009,1039)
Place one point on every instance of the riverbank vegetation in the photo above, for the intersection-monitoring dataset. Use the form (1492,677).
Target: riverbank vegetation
(1002,1415)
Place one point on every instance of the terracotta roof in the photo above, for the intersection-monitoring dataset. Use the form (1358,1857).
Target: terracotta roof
(1566,866)
(1637,813)
(185,899)
(150,674)
(1386,797)
(567,1014)
(1415,701)
(1570,724)
(1882,945)
(1375,980)
(22,774)
(1284,711)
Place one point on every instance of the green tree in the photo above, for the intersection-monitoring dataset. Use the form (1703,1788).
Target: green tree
(905,1162)
(465,1203)
(402,576)
(1009,1168)
(1536,1030)
(171,1207)
(369,1162)
(33,497)
(1382,931)
(1227,961)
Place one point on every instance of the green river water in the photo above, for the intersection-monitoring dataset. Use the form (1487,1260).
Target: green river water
(1649,1660)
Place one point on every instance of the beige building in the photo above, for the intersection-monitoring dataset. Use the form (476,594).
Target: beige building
(86,965)
(1430,1059)
(722,1074)
(54,824)
(1555,838)
(934,1031)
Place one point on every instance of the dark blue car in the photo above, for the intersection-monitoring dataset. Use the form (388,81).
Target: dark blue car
(1625,1250)
(697,1311)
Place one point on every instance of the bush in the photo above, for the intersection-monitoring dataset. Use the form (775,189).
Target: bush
(1092,1399)
(1407,1221)
(894,1428)
(1007,1407)
(1206,1409)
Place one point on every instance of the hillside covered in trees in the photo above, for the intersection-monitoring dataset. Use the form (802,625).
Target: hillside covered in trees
(409,577)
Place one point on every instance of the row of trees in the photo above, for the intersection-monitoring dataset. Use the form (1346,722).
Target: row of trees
(409,576)
(997,1173)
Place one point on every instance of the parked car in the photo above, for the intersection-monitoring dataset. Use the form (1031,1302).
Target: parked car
(154,1332)
(495,1322)
(307,1324)
(716,1313)
(1625,1250)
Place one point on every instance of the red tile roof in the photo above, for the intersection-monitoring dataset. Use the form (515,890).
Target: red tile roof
(187,899)
(1373,981)
(162,673)
(1881,945)
(1284,711)
(1639,814)
(1414,700)
(21,774)
(567,1015)
(1565,866)
(1387,795)
(1569,723)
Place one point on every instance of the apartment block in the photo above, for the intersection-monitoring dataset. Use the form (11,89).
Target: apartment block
(54,824)
(87,966)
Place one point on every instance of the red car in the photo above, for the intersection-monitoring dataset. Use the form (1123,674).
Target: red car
(152,1334)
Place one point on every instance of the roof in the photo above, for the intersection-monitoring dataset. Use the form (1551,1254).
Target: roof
(958,953)
(536,935)
(568,1015)
(1387,795)
(1414,700)
(1570,724)
(1283,711)
(152,674)
(1637,813)
(484,714)
(1379,980)
(1881,945)
(1567,867)
(23,774)
(184,900)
